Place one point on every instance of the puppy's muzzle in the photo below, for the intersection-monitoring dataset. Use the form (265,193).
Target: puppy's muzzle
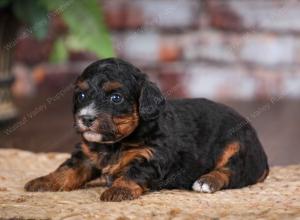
(87,120)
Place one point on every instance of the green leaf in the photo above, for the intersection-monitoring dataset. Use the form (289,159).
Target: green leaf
(34,14)
(83,17)
(4,3)
(59,53)
(86,26)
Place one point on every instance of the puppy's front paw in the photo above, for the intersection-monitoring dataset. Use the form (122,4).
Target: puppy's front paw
(117,194)
(41,184)
(207,184)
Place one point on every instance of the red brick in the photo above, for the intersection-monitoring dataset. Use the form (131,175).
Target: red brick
(170,49)
(223,16)
(164,14)
(114,14)
(271,15)
(134,17)
(172,84)
(41,48)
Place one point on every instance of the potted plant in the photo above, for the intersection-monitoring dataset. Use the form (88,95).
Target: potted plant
(86,30)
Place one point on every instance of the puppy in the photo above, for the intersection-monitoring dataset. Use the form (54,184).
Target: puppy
(135,141)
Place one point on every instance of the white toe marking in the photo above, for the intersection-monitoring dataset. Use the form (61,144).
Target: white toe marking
(205,188)
(198,187)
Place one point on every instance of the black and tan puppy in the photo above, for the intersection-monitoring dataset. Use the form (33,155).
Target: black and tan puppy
(137,141)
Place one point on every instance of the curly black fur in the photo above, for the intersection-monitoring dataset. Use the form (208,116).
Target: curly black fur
(175,142)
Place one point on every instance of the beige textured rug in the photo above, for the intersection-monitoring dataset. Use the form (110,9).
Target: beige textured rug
(277,198)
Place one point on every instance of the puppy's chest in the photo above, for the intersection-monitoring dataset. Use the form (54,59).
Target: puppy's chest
(114,164)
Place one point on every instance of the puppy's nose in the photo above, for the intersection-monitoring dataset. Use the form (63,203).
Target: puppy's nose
(87,120)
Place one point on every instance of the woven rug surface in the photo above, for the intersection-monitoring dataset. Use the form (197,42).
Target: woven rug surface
(277,198)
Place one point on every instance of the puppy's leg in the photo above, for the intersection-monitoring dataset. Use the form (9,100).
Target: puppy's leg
(133,171)
(122,189)
(101,181)
(72,174)
(213,181)
(220,177)
(233,169)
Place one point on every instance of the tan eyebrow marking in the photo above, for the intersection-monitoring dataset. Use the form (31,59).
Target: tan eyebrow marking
(109,86)
(83,85)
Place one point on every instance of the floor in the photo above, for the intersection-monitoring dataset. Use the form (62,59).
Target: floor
(45,124)
(276,198)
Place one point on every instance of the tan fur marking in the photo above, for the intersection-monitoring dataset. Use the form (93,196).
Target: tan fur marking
(122,189)
(126,124)
(135,189)
(263,176)
(63,179)
(70,178)
(83,85)
(126,158)
(101,181)
(221,177)
(110,86)
(229,151)
(86,150)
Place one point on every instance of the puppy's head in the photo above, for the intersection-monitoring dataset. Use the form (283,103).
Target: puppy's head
(111,98)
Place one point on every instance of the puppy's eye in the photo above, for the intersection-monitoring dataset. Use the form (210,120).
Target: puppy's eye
(81,96)
(116,98)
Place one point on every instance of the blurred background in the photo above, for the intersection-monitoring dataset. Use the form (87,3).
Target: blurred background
(245,54)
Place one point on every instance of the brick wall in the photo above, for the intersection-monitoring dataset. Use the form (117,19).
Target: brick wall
(218,49)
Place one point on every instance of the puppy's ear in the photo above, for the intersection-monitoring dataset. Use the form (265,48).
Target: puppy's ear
(151,101)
